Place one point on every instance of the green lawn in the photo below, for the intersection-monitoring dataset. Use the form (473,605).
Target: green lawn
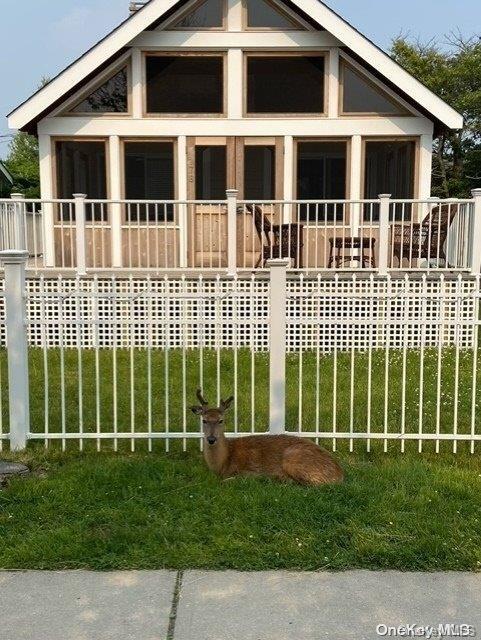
(107,510)
(126,401)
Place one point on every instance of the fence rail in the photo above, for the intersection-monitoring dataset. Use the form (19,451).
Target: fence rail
(232,235)
(353,358)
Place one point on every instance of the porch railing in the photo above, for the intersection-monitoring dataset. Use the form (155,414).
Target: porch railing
(380,235)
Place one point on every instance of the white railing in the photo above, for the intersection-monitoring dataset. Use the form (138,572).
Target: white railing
(236,235)
(389,361)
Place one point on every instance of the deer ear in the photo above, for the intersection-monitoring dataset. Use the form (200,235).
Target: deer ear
(225,404)
(197,410)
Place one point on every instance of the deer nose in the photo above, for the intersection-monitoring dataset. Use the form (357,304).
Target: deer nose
(211,440)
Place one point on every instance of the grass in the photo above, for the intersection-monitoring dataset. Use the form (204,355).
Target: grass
(124,404)
(106,510)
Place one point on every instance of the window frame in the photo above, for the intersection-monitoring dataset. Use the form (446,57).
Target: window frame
(347,140)
(416,167)
(403,110)
(185,54)
(54,174)
(184,12)
(301,25)
(322,53)
(126,140)
(95,84)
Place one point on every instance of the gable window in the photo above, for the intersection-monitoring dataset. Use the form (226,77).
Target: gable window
(285,84)
(321,175)
(389,167)
(149,175)
(185,84)
(81,168)
(206,15)
(110,97)
(263,15)
(360,96)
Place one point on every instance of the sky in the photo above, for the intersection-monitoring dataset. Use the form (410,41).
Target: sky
(41,37)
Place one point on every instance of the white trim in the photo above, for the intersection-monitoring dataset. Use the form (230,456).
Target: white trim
(47,167)
(289,172)
(235,70)
(244,39)
(182,190)
(394,126)
(5,172)
(137,83)
(425,166)
(333,91)
(116,178)
(143,18)
(234,15)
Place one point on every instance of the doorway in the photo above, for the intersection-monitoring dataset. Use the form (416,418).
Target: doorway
(253,166)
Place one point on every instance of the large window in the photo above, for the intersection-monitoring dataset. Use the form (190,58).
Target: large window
(321,175)
(81,168)
(389,168)
(149,175)
(185,84)
(110,97)
(285,84)
(359,95)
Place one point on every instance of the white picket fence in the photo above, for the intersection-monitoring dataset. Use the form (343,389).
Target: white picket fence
(338,357)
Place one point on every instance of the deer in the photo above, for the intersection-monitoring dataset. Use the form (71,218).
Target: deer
(282,457)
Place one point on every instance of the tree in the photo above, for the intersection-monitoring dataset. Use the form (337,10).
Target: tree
(23,165)
(454,74)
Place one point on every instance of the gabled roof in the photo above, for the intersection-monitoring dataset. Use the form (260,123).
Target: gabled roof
(4,171)
(41,102)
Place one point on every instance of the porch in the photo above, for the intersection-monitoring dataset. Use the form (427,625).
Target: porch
(231,235)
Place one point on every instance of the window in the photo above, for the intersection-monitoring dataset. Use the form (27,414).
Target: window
(81,168)
(285,84)
(261,14)
(389,168)
(321,175)
(361,96)
(149,175)
(111,97)
(207,15)
(210,172)
(259,172)
(185,84)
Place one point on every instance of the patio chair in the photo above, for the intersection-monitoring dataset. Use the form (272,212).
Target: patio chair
(426,239)
(277,240)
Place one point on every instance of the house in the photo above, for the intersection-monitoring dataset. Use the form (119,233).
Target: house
(6,181)
(280,100)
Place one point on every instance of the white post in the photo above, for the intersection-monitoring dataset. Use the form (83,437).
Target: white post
(476,253)
(231,230)
(18,389)
(384,205)
(115,209)
(17,223)
(277,345)
(80,232)
(183,211)
(49,210)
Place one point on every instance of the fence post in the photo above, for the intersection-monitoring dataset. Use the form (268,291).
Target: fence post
(231,230)
(17,226)
(80,232)
(277,344)
(384,203)
(476,254)
(18,388)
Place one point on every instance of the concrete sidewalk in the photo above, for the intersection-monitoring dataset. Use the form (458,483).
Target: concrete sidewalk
(199,605)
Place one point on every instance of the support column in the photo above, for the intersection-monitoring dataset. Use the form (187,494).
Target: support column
(235,94)
(355,183)
(288,177)
(476,253)
(333,93)
(183,213)
(115,194)
(137,86)
(47,169)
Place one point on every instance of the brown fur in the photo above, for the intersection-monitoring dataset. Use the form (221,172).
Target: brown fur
(283,457)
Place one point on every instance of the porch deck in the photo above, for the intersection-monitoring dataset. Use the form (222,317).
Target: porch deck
(234,235)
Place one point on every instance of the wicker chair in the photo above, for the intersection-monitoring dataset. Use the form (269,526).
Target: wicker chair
(426,239)
(277,240)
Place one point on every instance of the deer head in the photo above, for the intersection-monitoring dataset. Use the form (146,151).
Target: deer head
(212,419)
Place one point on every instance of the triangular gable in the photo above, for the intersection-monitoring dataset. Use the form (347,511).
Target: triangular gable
(111,96)
(39,104)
